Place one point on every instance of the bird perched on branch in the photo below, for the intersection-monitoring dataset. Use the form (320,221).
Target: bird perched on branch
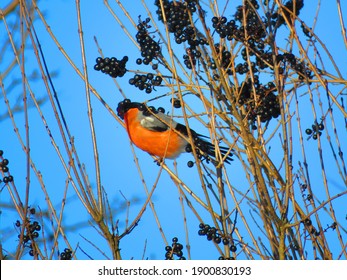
(153,131)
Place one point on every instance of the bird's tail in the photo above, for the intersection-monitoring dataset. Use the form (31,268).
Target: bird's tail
(204,149)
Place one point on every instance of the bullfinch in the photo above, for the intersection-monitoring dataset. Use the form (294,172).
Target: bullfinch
(158,134)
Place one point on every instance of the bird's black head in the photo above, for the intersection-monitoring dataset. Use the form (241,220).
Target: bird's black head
(126,105)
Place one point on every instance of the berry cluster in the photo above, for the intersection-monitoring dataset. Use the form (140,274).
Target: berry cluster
(4,168)
(292,6)
(224,28)
(146,82)
(66,255)
(248,28)
(255,28)
(175,249)
(192,53)
(150,49)
(31,232)
(299,67)
(178,15)
(191,56)
(315,131)
(111,66)
(225,59)
(259,100)
(268,108)
(211,233)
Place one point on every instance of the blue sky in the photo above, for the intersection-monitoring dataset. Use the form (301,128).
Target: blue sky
(118,171)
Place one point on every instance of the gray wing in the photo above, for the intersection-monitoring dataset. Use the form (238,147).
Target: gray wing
(158,122)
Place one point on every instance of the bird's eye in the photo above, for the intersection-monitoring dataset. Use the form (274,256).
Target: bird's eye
(127,101)
(142,107)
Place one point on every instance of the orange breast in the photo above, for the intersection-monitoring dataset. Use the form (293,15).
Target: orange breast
(163,144)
